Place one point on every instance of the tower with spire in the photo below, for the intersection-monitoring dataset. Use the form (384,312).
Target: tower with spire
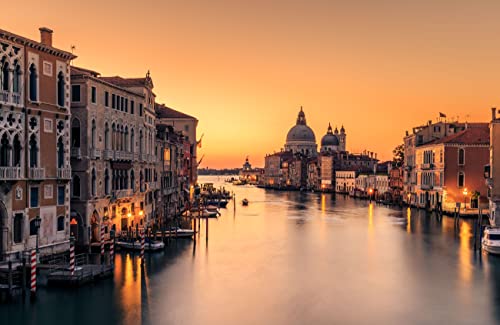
(342,139)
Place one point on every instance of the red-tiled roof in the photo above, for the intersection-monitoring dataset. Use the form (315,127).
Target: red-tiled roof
(478,134)
(79,70)
(162,111)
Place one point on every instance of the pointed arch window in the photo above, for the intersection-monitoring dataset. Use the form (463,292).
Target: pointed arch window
(106,181)
(106,136)
(33,83)
(60,153)
(16,81)
(461,156)
(5,74)
(140,141)
(94,182)
(125,144)
(4,151)
(132,139)
(33,151)
(132,180)
(75,133)
(16,157)
(93,135)
(60,89)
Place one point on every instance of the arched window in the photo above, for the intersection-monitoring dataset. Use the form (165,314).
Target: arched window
(5,75)
(132,139)
(16,81)
(125,140)
(33,83)
(60,153)
(461,179)
(75,133)
(141,181)
(4,151)
(106,182)
(113,140)
(106,136)
(16,161)
(33,229)
(126,185)
(60,89)
(140,141)
(60,223)
(93,135)
(461,156)
(132,180)
(94,182)
(33,151)
(76,186)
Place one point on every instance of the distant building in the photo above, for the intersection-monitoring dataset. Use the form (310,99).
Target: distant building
(396,184)
(493,171)
(301,138)
(345,180)
(249,174)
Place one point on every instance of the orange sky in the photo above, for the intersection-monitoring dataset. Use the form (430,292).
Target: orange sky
(243,68)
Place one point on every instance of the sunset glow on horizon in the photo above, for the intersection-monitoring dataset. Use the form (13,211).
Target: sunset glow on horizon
(243,69)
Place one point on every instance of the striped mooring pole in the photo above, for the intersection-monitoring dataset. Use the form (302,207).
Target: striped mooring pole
(112,252)
(33,273)
(72,256)
(102,240)
(142,248)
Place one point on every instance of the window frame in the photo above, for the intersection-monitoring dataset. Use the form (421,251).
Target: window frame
(93,94)
(73,87)
(31,196)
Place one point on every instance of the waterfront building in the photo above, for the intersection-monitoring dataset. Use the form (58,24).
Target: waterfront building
(396,184)
(313,173)
(345,180)
(250,175)
(450,170)
(276,169)
(34,145)
(112,154)
(187,124)
(419,136)
(492,172)
(378,181)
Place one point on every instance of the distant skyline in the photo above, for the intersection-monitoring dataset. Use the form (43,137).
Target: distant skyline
(244,68)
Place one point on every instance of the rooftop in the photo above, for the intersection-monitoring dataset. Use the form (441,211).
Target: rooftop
(163,111)
(478,134)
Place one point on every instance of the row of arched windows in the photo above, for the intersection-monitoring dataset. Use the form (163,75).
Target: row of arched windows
(5,76)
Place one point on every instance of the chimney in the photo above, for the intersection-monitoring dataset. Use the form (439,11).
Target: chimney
(493,113)
(46,36)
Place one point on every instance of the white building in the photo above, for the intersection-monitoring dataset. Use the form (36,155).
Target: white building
(345,181)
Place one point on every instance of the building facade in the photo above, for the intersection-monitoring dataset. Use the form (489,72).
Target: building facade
(34,145)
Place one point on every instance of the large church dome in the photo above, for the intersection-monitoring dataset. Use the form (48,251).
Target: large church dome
(301,137)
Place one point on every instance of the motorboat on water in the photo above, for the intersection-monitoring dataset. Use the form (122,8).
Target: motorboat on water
(177,232)
(212,208)
(136,245)
(491,240)
(244,202)
(204,213)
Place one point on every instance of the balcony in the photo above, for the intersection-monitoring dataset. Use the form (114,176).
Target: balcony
(64,173)
(76,153)
(127,155)
(36,173)
(95,153)
(426,166)
(426,187)
(10,173)
(108,154)
(136,156)
(7,97)
(120,194)
(144,157)
(4,96)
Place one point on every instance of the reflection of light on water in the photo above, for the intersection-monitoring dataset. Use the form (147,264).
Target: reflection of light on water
(370,216)
(464,254)
(408,220)
(126,270)
(323,203)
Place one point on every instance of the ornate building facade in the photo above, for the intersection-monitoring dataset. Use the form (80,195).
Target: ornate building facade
(34,145)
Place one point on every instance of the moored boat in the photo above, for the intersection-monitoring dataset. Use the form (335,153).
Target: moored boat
(491,240)
(177,232)
(244,202)
(136,245)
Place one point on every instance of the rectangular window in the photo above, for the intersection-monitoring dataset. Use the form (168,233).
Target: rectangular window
(75,93)
(126,105)
(122,104)
(61,190)
(93,95)
(106,99)
(140,109)
(34,197)
(48,192)
(461,179)
(113,101)
(18,227)
(132,104)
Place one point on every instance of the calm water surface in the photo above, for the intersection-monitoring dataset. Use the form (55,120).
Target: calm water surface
(293,258)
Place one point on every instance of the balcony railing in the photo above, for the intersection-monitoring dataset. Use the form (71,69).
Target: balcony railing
(64,173)
(4,96)
(144,157)
(95,153)
(426,166)
(120,194)
(108,154)
(76,153)
(36,173)
(136,156)
(10,173)
(426,186)
(16,98)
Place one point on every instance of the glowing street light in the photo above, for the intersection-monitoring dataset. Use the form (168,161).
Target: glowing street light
(465,192)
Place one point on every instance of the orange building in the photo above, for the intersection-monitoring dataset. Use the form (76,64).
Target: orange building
(34,145)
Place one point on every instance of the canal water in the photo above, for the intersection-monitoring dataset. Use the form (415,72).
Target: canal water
(292,258)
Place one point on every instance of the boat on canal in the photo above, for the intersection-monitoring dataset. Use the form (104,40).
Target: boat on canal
(244,202)
(491,240)
(136,245)
(176,232)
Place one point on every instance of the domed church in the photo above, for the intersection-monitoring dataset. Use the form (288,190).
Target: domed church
(333,142)
(301,138)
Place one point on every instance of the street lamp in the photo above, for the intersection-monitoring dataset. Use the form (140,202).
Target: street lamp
(465,197)
(38,222)
(370,191)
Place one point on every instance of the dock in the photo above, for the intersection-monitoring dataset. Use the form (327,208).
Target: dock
(83,274)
